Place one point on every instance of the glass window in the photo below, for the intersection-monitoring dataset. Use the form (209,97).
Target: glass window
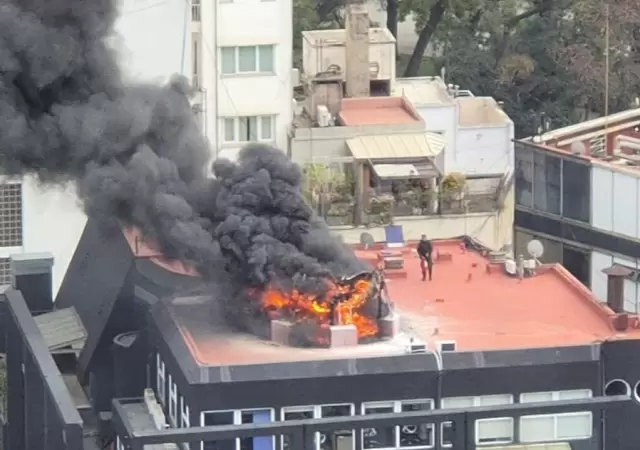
(493,400)
(578,263)
(266,59)
(524,175)
(258,442)
(572,426)
(341,439)
(536,397)
(247,59)
(497,430)
(252,128)
(458,402)
(229,130)
(228,60)
(447,434)
(574,394)
(547,183)
(537,428)
(422,435)
(213,418)
(381,437)
(266,127)
(576,191)
(552,249)
(556,427)
(295,413)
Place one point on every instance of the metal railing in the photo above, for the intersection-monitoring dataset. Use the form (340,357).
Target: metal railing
(40,412)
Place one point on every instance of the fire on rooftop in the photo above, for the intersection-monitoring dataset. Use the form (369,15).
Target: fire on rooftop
(353,310)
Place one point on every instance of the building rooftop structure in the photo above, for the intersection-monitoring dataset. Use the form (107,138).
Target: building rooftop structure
(324,38)
(377,111)
(611,141)
(471,302)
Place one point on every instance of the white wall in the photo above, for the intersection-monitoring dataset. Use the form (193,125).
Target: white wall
(153,38)
(52,221)
(615,198)
(601,261)
(483,150)
(247,22)
(442,119)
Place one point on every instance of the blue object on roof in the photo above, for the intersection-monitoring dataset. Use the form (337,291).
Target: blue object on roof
(393,234)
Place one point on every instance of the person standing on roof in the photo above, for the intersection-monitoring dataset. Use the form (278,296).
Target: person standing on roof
(425,252)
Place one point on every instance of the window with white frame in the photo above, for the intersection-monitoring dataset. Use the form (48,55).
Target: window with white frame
(296,413)
(381,437)
(340,439)
(161,380)
(247,59)
(398,436)
(119,444)
(447,431)
(417,436)
(554,396)
(248,129)
(497,430)
(173,401)
(256,416)
(195,70)
(556,427)
(238,417)
(195,10)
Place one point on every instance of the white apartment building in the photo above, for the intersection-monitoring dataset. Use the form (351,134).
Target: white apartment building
(242,66)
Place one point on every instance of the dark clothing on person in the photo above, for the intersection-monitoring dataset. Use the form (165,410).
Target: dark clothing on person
(425,250)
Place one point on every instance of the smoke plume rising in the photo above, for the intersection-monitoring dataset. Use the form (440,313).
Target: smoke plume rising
(138,158)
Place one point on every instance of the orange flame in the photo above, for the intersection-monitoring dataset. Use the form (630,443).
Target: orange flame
(303,307)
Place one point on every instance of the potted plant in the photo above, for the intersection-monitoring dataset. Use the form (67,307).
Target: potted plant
(452,188)
(380,210)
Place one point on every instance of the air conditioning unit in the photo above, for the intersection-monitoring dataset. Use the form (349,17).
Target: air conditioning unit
(416,346)
(446,346)
(323,116)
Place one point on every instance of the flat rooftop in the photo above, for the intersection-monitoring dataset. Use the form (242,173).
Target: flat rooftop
(423,91)
(330,38)
(586,140)
(478,111)
(377,111)
(470,301)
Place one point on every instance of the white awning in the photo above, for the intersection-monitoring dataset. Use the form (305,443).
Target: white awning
(396,170)
(396,146)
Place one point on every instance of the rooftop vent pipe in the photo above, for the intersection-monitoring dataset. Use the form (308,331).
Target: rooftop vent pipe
(616,275)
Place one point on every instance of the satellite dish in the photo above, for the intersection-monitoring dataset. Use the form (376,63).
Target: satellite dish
(367,240)
(535,249)
(578,148)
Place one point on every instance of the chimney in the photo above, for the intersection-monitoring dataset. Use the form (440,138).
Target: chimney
(357,51)
(615,286)
(32,276)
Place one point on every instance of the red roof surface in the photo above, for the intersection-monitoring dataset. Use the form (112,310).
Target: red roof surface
(377,111)
(470,301)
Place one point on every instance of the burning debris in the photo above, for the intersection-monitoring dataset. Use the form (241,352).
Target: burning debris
(137,157)
(357,301)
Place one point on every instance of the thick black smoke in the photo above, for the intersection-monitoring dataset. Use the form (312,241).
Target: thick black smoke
(138,157)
